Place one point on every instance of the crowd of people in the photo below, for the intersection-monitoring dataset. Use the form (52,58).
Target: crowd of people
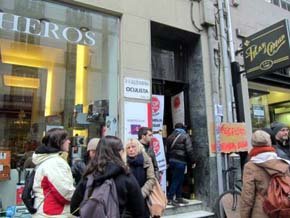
(269,156)
(59,189)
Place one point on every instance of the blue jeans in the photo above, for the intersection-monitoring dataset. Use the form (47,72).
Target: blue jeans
(177,169)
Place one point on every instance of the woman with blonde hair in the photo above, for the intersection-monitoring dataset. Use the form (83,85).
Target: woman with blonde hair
(141,167)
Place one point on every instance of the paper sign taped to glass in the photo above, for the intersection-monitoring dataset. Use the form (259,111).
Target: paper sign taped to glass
(5,158)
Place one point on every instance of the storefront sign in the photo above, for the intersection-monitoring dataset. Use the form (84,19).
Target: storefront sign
(233,137)
(177,108)
(136,116)
(43,28)
(137,88)
(157,104)
(267,50)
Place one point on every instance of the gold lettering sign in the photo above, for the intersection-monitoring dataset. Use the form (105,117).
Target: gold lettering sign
(270,48)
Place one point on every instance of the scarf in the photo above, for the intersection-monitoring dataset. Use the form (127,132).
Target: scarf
(261,149)
(179,130)
(136,165)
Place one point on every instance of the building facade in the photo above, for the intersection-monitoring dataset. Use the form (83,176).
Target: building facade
(269,93)
(63,64)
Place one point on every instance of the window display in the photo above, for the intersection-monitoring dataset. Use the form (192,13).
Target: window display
(57,61)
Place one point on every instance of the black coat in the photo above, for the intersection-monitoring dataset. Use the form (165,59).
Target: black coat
(182,150)
(129,193)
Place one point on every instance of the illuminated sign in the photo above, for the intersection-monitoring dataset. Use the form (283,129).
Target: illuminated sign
(268,49)
(43,28)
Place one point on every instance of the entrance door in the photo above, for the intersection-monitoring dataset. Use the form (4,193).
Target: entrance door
(169,89)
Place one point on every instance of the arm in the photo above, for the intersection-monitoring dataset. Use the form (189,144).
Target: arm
(154,161)
(77,198)
(189,149)
(60,180)
(150,177)
(248,193)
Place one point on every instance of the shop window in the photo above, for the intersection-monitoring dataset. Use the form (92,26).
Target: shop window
(58,69)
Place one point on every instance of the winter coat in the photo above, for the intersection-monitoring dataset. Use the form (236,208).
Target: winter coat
(151,154)
(128,190)
(282,151)
(78,168)
(53,183)
(182,150)
(255,185)
(147,166)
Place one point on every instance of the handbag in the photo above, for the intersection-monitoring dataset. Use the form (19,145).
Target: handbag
(157,200)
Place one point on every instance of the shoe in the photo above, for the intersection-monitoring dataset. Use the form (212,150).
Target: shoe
(181,201)
(175,203)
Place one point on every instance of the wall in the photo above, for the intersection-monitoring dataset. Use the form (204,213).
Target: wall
(263,14)
(135,61)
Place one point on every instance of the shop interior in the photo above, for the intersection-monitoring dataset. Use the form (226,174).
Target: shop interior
(268,104)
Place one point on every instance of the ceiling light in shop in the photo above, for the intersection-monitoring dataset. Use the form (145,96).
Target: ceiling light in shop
(22,82)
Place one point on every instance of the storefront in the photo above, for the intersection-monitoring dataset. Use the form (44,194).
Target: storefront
(59,68)
(267,61)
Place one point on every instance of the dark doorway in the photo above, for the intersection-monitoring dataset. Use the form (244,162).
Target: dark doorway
(169,89)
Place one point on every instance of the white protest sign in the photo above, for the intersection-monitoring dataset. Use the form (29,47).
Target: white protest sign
(157,104)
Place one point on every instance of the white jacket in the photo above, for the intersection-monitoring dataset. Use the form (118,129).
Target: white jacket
(53,185)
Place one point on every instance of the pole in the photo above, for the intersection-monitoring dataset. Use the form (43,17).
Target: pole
(215,101)
(225,63)
(230,31)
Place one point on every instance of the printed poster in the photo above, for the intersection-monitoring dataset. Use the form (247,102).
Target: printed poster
(162,180)
(158,147)
(177,108)
(136,115)
(111,126)
(157,104)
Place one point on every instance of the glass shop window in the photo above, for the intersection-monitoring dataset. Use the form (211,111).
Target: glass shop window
(58,68)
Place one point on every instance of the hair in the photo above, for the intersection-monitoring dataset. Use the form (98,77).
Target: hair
(140,147)
(179,126)
(143,131)
(55,138)
(108,150)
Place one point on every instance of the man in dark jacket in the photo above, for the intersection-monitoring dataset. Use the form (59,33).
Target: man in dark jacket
(281,135)
(179,152)
(144,136)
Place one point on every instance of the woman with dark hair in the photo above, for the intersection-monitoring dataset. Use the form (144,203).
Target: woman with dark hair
(107,164)
(53,182)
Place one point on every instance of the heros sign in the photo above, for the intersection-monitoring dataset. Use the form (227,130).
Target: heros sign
(11,22)
(268,49)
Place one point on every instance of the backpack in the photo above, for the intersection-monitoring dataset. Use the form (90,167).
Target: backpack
(27,194)
(157,200)
(277,202)
(101,201)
